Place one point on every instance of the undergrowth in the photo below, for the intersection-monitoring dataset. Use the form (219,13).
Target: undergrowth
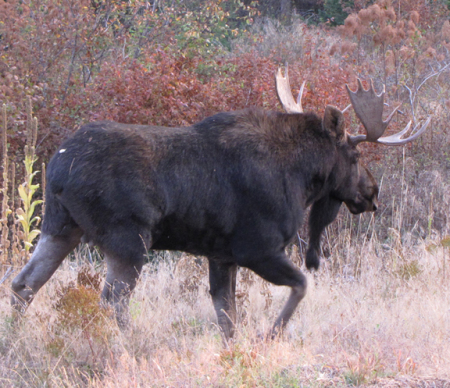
(376,313)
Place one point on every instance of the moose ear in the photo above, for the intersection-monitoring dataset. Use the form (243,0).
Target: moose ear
(333,122)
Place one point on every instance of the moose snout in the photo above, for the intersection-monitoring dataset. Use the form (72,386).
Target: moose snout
(375,204)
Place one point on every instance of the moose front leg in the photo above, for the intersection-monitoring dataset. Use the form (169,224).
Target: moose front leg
(323,212)
(222,280)
(278,269)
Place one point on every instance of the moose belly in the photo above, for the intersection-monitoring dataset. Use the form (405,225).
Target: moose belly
(180,237)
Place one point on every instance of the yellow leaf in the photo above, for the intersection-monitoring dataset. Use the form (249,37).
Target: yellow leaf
(24,225)
(446,242)
(22,193)
(33,234)
(35,220)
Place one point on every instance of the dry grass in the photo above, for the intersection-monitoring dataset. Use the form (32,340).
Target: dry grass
(387,326)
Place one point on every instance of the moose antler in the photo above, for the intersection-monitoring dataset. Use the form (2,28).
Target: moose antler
(368,107)
(285,94)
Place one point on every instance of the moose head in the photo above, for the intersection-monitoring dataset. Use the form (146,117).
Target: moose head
(357,187)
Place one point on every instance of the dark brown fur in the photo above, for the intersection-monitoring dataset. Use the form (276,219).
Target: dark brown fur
(233,188)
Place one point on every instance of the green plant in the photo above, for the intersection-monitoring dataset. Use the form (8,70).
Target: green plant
(213,24)
(26,214)
(335,11)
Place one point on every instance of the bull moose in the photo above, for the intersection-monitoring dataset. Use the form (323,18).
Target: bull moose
(233,187)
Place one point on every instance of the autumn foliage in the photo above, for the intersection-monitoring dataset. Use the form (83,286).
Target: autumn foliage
(154,64)
(160,64)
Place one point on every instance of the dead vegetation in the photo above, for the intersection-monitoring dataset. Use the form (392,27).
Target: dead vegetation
(377,313)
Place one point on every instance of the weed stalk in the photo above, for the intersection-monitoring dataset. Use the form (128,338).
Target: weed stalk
(5,207)
(25,214)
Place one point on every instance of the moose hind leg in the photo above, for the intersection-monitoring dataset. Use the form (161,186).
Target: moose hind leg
(48,255)
(278,270)
(222,279)
(121,279)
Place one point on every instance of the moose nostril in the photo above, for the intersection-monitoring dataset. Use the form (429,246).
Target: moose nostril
(375,207)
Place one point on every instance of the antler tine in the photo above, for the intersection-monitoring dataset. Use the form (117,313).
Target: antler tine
(368,107)
(285,94)
(397,140)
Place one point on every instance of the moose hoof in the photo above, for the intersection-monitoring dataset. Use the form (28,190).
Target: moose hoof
(21,298)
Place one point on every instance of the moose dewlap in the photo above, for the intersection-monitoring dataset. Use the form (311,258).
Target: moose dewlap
(233,187)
